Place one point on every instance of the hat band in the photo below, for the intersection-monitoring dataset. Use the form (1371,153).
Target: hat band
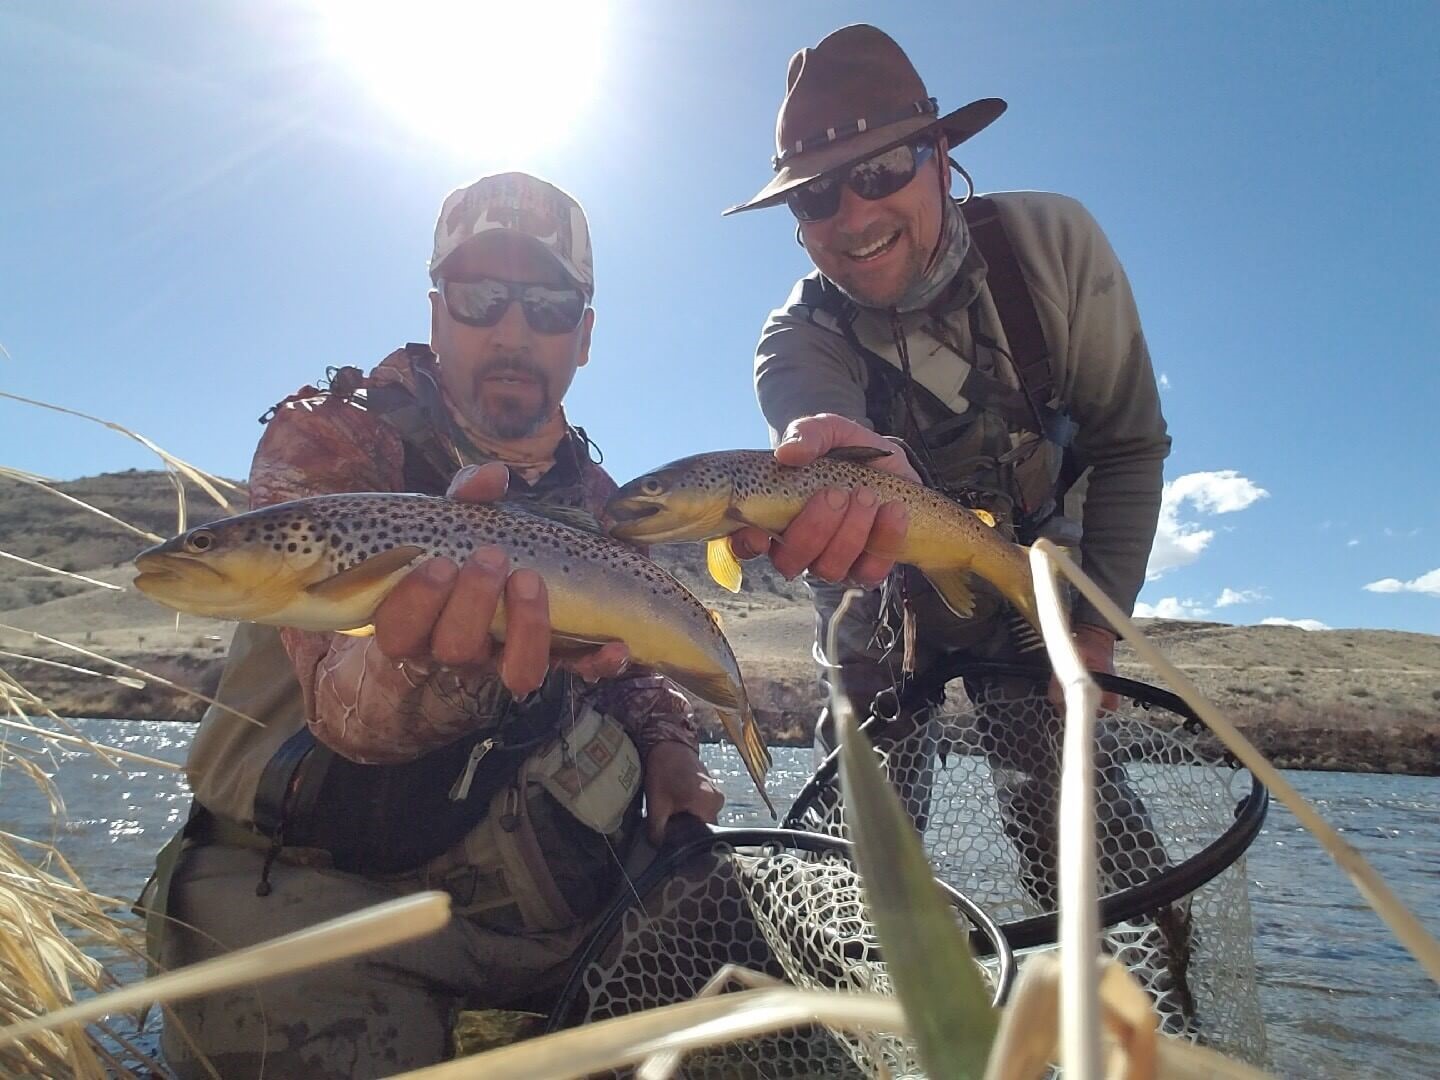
(924,107)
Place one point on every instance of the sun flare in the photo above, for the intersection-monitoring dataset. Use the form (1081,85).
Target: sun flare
(494,79)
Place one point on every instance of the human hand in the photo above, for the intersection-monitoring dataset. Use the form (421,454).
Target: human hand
(839,535)
(441,612)
(1096,646)
(676,782)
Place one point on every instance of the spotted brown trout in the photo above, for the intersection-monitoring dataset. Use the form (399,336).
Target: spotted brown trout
(709,496)
(325,563)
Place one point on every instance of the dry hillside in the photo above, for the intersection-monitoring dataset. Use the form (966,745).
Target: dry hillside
(1362,699)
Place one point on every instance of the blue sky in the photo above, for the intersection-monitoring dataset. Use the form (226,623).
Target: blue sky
(204,206)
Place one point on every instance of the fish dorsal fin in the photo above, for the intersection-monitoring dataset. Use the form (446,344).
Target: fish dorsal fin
(860,455)
(366,575)
(570,516)
(985,516)
(722,564)
(953,585)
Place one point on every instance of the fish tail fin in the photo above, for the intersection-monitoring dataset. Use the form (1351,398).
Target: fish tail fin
(744,732)
(727,694)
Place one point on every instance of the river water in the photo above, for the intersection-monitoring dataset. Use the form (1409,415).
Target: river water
(1341,997)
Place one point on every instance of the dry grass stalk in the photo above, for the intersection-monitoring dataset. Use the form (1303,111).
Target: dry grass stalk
(205,481)
(1401,920)
(624,1040)
(21,703)
(123,680)
(63,573)
(52,932)
(149,675)
(364,931)
(1079,888)
(23,478)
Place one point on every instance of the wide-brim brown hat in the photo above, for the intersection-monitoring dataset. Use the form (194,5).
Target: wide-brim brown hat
(852,96)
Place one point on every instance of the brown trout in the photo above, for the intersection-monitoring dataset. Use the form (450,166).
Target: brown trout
(709,496)
(325,563)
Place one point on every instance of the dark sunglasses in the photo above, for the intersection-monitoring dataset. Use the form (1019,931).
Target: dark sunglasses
(549,309)
(874,178)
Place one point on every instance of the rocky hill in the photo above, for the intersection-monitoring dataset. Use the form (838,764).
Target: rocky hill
(1347,699)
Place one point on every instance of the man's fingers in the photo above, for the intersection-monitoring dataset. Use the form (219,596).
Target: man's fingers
(526,656)
(479,483)
(847,544)
(606,662)
(405,618)
(462,632)
(749,542)
(810,531)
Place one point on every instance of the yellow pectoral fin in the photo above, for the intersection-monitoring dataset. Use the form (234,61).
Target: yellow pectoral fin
(359,631)
(953,585)
(723,565)
(985,516)
(348,584)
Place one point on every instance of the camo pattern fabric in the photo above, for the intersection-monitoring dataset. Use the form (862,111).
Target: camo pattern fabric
(366,707)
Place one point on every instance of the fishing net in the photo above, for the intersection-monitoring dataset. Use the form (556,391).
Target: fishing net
(782,904)
(975,754)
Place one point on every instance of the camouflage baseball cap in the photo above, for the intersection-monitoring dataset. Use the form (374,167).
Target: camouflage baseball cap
(521,203)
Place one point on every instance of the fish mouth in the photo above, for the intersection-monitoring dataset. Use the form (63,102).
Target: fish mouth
(161,571)
(626,511)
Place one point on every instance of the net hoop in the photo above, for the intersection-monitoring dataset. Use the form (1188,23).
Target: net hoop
(987,938)
(1165,888)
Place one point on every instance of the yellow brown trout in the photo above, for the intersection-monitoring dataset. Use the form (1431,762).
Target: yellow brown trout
(326,563)
(709,496)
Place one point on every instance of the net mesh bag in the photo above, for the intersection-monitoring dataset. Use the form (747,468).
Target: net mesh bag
(979,775)
(794,915)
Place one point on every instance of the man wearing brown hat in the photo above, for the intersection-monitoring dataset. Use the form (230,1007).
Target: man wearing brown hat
(995,339)
(426,756)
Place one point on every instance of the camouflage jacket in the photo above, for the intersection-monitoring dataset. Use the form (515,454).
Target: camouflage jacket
(358,702)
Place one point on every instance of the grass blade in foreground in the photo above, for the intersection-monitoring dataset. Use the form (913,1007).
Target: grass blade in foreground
(946,1003)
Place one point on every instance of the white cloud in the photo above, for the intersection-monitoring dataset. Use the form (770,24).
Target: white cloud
(1299,624)
(1352,543)
(1402,534)
(1172,608)
(1179,542)
(1164,381)
(1425,583)
(1239,596)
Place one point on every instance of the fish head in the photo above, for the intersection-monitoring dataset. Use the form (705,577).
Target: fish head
(685,500)
(249,567)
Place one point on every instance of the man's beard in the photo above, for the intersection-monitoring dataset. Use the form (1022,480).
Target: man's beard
(509,418)
(850,283)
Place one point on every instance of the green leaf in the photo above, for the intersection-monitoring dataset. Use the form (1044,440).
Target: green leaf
(945,999)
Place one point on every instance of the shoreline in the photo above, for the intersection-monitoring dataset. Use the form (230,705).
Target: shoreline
(1293,734)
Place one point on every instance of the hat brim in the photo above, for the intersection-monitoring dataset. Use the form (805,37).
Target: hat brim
(965,122)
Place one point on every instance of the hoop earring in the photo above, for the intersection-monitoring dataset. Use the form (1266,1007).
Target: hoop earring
(969,184)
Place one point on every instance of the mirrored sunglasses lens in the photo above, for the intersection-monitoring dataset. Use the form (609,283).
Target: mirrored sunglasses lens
(480,303)
(553,311)
(884,174)
(815,201)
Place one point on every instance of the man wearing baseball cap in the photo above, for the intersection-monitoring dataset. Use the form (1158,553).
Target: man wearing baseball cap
(993,345)
(424,757)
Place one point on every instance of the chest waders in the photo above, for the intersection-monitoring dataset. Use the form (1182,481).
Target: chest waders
(388,819)
(1011,453)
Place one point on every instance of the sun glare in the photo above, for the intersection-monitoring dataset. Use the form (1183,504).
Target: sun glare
(490,79)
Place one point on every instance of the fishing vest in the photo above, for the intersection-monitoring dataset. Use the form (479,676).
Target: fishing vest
(378,819)
(1009,449)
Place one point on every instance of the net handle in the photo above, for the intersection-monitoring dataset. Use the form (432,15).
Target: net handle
(1180,880)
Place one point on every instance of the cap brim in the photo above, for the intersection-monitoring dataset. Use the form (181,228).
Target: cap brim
(962,124)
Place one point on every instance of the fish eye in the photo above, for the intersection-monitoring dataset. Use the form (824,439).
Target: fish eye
(651,485)
(199,541)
